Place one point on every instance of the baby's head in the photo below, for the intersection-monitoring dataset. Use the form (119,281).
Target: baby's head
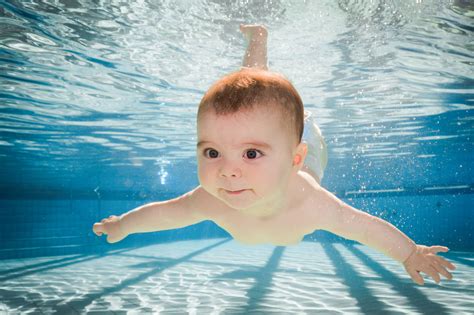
(250,125)
(245,90)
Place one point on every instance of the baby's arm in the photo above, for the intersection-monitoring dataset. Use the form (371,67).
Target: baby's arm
(339,218)
(256,53)
(157,216)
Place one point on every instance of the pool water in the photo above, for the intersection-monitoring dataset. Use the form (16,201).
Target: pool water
(97,117)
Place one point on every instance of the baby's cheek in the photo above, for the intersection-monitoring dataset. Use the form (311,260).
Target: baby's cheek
(265,178)
(276,177)
(205,176)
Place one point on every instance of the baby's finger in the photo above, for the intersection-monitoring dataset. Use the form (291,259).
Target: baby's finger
(98,229)
(416,277)
(445,263)
(432,273)
(436,249)
(440,269)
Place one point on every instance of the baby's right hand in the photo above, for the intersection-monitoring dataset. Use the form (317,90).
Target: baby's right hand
(111,228)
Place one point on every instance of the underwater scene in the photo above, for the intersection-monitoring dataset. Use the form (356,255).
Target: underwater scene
(98,116)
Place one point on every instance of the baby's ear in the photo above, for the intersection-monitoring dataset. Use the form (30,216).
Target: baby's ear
(300,154)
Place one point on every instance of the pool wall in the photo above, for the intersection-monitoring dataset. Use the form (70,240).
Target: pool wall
(58,226)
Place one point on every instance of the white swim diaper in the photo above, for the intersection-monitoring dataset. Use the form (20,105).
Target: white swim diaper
(317,157)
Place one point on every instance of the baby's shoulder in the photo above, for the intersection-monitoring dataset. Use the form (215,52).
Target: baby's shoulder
(306,185)
(311,196)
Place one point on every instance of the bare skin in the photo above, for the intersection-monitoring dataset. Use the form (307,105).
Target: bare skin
(254,185)
(256,53)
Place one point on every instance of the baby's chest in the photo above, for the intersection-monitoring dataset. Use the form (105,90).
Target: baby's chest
(278,232)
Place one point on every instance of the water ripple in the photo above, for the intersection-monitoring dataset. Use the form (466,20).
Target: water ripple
(128,77)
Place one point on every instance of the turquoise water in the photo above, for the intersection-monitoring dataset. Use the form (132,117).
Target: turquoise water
(97,116)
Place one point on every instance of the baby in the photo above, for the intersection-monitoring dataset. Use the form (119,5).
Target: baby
(257,179)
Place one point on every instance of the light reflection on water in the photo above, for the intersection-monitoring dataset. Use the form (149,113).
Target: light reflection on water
(117,85)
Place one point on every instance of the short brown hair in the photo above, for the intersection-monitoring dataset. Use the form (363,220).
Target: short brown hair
(244,89)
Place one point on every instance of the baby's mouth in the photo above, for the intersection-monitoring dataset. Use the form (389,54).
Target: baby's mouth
(235,192)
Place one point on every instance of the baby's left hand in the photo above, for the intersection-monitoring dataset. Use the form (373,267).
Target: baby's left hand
(424,259)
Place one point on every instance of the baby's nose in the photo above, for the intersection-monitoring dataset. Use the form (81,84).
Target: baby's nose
(230,170)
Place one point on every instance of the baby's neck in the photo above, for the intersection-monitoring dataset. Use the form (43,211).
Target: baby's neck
(282,201)
(290,197)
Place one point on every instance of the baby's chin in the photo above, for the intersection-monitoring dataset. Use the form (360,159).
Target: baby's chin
(243,206)
(243,201)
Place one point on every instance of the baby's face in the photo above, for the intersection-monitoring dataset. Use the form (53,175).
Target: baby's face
(245,159)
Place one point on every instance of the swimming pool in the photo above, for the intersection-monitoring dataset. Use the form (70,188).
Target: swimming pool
(97,112)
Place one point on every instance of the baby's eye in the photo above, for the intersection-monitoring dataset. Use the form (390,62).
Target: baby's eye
(253,154)
(211,153)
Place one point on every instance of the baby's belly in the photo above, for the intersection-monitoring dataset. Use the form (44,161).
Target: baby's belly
(277,231)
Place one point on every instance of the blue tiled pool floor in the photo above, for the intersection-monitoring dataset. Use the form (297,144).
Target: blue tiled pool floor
(220,276)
